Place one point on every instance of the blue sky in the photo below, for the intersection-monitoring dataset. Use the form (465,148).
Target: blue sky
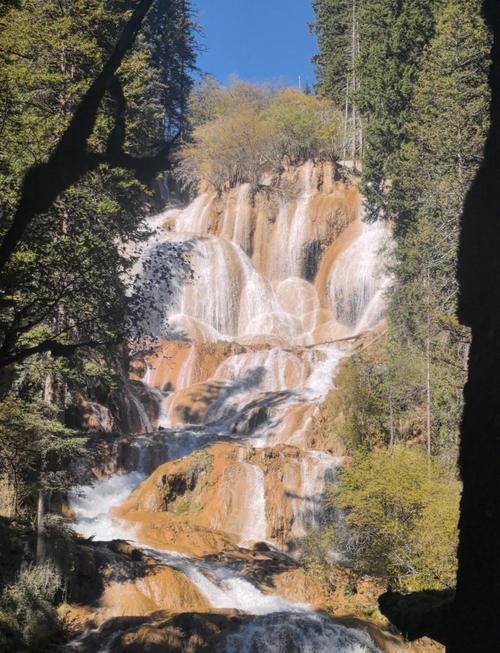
(257,40)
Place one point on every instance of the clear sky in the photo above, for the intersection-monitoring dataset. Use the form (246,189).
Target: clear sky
(257,40)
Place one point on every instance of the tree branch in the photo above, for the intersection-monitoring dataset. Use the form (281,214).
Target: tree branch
(53,346)
(70,160)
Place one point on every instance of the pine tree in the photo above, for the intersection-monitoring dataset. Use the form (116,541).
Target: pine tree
(392,37)
(337,32)
(331,29)
(173,31)
(446,127)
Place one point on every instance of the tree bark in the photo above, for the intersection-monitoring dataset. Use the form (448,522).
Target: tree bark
(41,543)
(354,85)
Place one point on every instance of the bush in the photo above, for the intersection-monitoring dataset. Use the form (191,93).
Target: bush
(28,616)
(401,518)
(228,150)
(242,131)
(303,126)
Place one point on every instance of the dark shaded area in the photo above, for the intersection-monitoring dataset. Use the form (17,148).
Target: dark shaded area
(161,633)
(471,624)
(85,565)
(206,633)
(312,256)
(475,626)
(420,614)
(16,536)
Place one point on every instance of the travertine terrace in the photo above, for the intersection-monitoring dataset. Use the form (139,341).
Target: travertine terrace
(284,278)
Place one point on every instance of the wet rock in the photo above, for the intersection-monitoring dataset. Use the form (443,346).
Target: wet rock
(261,546)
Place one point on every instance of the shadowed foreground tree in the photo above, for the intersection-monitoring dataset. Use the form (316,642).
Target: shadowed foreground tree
(84,124)
(72,157)
(475,626)
(468,622)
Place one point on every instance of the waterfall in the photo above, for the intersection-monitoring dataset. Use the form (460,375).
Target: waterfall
(282,633)
(92,506)
(357,279)
(247,357)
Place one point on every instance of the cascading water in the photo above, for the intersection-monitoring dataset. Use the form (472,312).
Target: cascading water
(358,278)
(257,364)
(280,633)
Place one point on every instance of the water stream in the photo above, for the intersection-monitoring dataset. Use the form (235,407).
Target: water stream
(251,292)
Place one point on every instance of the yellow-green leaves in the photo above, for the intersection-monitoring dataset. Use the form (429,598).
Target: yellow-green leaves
(402,515)
(244,131)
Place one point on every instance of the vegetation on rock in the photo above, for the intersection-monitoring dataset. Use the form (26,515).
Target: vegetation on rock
(243,131)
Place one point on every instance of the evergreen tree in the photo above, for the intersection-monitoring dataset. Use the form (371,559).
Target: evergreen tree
(393,35)
(333,63)
(173,31)
(446,127)
(64,285)
(337,31)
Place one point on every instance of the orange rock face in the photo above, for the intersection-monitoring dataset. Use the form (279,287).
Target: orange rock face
(247,494)
(162,589)
(278,275)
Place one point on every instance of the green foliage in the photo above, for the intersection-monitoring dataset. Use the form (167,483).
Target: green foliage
(380,400)
(35,448)
(243,131)
(303,126)
(360,397)
(446,126)
(393,36)
(316,556)
(337,31)
(424,99)
(333,31)
(401,518)
(65,283)
(28,619)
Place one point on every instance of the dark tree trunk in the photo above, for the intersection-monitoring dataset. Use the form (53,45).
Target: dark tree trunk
(475,626)
(470,623)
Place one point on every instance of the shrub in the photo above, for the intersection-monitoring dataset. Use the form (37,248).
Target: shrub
(28,615)
(401,518)
(304,126)
(228,150)
(242,131)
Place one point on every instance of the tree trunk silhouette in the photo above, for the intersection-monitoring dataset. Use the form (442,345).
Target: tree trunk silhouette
(475,626)
(468,622)
(71,159)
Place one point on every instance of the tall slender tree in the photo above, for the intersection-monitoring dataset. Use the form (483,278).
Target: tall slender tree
(337,30)
(392,37)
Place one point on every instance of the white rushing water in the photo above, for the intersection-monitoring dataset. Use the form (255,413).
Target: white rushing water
(358,279)
(298,633)
(92,507)
(254,528)
(260,392)
(226,588)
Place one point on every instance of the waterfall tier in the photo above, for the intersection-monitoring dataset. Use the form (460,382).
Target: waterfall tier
(281,282)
